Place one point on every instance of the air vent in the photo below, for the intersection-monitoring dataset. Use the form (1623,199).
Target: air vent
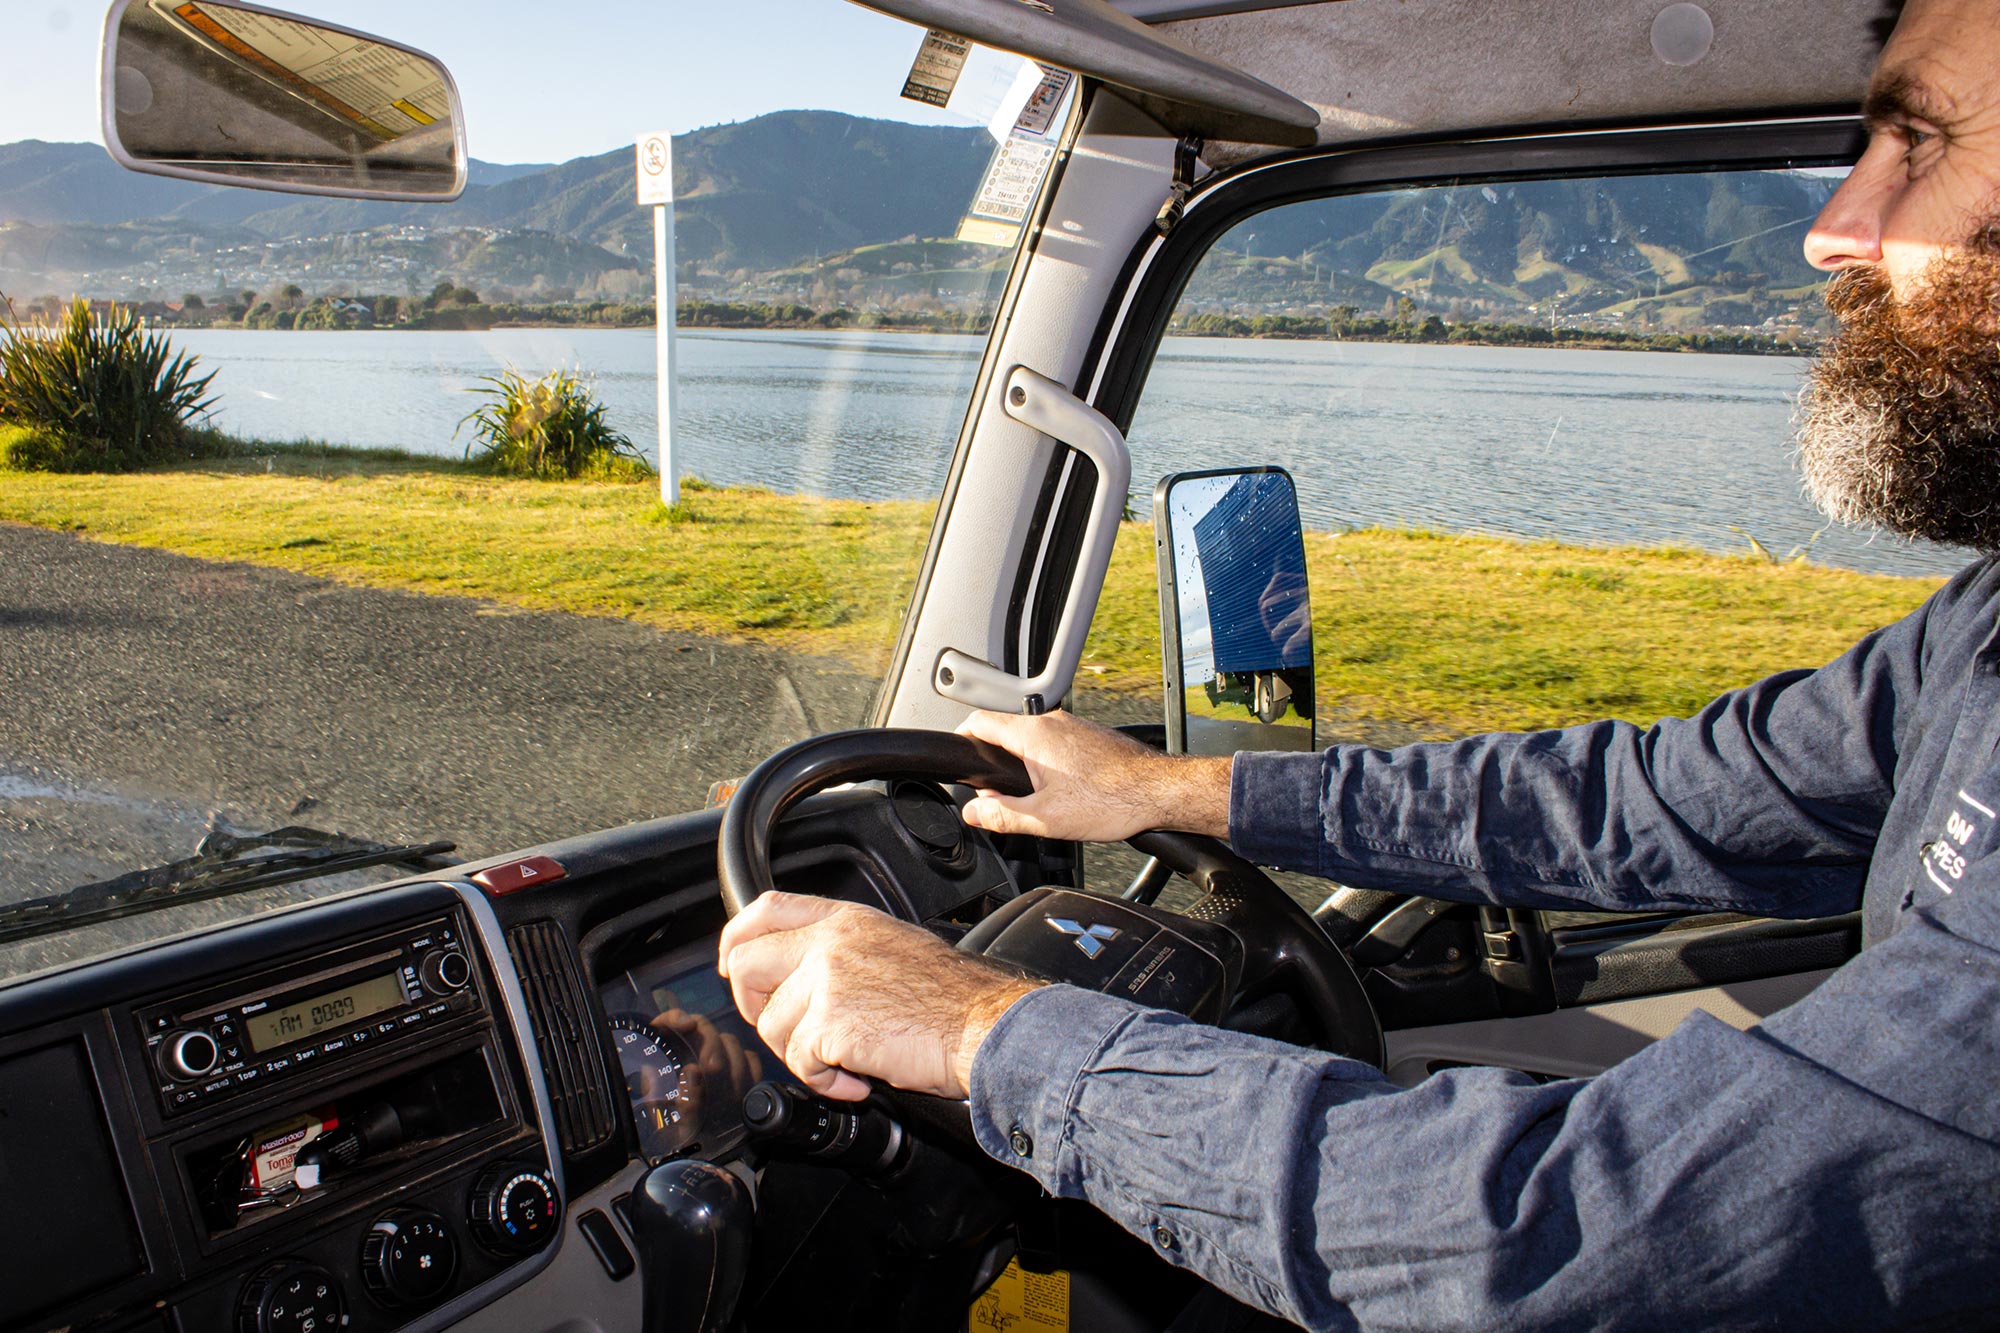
(572,1052)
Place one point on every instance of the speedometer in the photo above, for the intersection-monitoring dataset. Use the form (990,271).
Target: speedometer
(655,1063)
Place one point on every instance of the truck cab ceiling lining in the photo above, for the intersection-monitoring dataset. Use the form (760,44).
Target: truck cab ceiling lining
(1399,68)
(1186,92)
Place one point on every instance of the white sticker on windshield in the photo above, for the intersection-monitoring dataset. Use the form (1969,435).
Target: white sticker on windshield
(1038,117)
(935,73)
(1007,193)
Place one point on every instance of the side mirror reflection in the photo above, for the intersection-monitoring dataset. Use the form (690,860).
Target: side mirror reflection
(1235,614)
(237,94)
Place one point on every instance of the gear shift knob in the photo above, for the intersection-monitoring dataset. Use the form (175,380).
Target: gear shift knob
(691,1221)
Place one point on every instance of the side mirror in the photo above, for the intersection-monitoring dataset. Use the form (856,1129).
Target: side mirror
(236,94)
(1235,618)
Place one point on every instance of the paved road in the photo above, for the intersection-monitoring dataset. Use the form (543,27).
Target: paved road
(144,694)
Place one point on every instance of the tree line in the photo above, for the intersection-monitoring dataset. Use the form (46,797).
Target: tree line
(1348,325)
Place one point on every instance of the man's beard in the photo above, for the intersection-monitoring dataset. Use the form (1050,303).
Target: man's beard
(1899,423)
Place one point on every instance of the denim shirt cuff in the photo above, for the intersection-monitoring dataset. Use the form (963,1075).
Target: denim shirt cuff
(1274,809)
(1024,1079)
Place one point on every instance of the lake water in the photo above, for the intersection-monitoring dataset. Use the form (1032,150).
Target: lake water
(1612,447)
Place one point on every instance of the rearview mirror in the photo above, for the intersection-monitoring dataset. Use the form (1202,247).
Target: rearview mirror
(1235,618)
(236,94)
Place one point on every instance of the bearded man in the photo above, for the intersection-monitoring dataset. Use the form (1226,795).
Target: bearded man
(1837,1166)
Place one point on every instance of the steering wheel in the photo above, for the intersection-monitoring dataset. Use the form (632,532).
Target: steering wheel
(1244,939)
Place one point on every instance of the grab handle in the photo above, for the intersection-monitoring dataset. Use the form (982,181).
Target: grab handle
(1038,401)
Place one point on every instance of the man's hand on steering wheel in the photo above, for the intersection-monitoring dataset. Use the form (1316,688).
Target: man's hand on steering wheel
(844,993)
(1094,785)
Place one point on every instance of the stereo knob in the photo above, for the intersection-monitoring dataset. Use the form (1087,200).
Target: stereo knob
(514,1209)
(409,1258)
(291,1296)
(185,1055)
(444,970)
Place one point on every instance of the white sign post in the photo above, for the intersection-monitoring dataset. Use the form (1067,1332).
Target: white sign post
(656,187)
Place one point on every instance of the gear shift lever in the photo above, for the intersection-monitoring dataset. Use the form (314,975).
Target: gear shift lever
(691,1221)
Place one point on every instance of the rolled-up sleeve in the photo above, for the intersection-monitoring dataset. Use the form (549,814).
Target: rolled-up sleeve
(1768,800)
(1837,1167)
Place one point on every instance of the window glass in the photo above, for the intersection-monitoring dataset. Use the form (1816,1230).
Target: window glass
(328,604)
(1541,438)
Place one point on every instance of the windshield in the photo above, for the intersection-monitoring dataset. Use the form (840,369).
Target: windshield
(408,572)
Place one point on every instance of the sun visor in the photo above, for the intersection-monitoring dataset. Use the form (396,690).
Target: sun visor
(1187,93)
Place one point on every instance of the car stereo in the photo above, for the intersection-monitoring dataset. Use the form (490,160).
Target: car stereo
(233,1038)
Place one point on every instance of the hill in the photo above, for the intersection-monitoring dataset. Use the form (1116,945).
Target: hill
(760,195)
(833,209)
(1683,252)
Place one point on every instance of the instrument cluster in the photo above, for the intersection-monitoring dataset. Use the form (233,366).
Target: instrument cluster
(687,1055)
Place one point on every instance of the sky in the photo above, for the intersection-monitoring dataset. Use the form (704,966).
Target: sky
(543,82)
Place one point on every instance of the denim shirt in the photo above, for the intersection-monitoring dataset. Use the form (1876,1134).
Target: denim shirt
(1836,1166)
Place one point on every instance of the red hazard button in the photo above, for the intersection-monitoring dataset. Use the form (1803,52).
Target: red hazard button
(517,875)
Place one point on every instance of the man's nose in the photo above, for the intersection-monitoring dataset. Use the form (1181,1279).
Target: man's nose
(1848,230)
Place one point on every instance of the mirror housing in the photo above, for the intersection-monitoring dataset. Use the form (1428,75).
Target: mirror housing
(1235,614)
(229,93)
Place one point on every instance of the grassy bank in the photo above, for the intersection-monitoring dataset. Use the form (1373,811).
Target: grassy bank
(1442,634)
(830,576)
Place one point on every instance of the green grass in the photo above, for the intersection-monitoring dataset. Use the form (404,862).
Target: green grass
(11,438)
(1440,634)
(826,576)
(1452,635)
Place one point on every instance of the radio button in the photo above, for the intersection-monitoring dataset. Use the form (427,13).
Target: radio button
(445,970)
(303,1054)
(411,1019)
(279,1065)
(189,1055)
(336,1044)
(219,1085)
(385,1027)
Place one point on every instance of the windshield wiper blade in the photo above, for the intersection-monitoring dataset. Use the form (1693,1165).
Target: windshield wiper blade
(224,863)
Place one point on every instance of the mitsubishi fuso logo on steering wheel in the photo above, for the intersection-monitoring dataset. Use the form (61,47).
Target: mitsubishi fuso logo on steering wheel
(1090,939)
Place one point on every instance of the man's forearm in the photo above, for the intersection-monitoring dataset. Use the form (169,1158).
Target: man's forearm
(1719,1178)
(1192,795)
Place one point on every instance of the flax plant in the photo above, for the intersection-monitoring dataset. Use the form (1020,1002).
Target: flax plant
(552,428)
(97,393)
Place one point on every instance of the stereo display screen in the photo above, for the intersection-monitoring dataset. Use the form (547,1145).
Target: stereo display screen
(320,1013)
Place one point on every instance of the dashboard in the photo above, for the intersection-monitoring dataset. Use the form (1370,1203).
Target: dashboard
(419,1105)
(313,1121)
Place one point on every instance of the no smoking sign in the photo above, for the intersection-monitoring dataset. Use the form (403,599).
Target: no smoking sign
(656,169)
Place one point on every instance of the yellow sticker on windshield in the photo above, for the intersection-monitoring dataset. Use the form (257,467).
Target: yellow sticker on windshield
(1020,1302)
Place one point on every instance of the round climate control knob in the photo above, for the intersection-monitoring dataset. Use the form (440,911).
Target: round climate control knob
(514,1209)
(185,1055)
(444,970)
(291,1296)
(409,1257)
